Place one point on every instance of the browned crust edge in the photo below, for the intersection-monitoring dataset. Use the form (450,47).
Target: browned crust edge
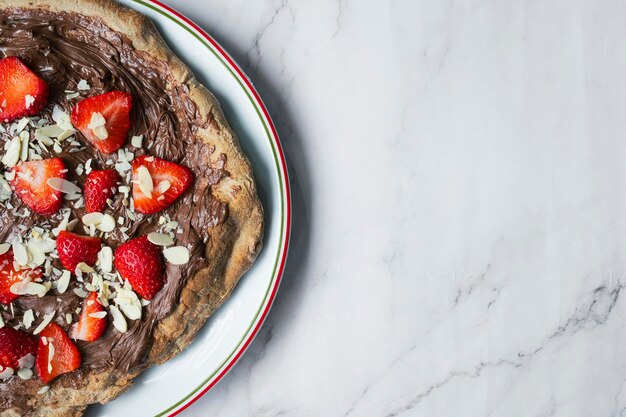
(232,247)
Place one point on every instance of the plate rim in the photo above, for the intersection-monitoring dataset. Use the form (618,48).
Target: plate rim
(279,158)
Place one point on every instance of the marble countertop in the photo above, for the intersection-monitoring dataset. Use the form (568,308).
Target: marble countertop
(459,241)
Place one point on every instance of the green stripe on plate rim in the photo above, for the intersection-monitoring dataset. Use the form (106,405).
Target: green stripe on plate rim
(282,193)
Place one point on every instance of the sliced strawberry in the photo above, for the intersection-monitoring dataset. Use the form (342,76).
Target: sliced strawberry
(30,183)
(99,187)
(22,93)
(141,263)
(90,328)
(9,276)
(169,181)
(107,135)
(63,359)
(74,249)
(14,345)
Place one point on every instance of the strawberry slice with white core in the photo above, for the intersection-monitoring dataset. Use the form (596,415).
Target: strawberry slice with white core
(158,183)
(92,323)
(30,183)
(104,119)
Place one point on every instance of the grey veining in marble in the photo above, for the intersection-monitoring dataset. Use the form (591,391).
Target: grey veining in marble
(459,207)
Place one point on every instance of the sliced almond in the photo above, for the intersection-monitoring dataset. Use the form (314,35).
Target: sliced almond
(5,190)
(64,281)
(163,186)
(50,131)
(29,101)
(107,224)
(132,311)
(61,118)
(25,138)
(6,373)
(83,267)
(25,374)
(27,361)
(145,181)
(92,219)
(98,315)
(81,293)
(118,319)
(20,253)
(83,85)
(4,248)
(176,255)
(105,259)
(12,154)
(29,318)
(63,224)
(64,186)
(160,239)
(46,320)
(137,141)
(66,134)
(97,124)
(29,288)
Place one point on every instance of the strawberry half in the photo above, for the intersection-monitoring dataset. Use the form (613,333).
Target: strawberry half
(9,276)
(104,119)
(74,249)
(99,187)
(63,359)
(169,181)
(30,183)
(141,263)
(90,328)
(14,345)
(22,93)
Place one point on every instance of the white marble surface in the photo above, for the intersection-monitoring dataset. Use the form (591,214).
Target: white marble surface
(459,243)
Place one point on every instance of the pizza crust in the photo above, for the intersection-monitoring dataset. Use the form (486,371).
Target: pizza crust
(233,245)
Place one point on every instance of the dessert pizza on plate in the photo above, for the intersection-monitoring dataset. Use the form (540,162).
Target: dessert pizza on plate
(128,211)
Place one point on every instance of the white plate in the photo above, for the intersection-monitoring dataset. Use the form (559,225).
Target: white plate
(168,389)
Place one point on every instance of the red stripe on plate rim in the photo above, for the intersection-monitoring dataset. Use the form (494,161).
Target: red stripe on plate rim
(285,173)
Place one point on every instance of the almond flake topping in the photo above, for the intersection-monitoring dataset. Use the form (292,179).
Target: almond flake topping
(83,85)
(137,141)
(27,361)
(177,255)
(103,222)
(163,186)
(63,282)
(6,373)
(30,100)
(64,186)
(46,320)
(160,239)
(118,320)
(25,373)
(105,259)
(29,318)
(145,181)
(12,155)
(62,119)
(97,125)
(92,218)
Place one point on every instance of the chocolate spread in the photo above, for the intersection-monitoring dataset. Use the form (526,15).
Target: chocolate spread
(63,49)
